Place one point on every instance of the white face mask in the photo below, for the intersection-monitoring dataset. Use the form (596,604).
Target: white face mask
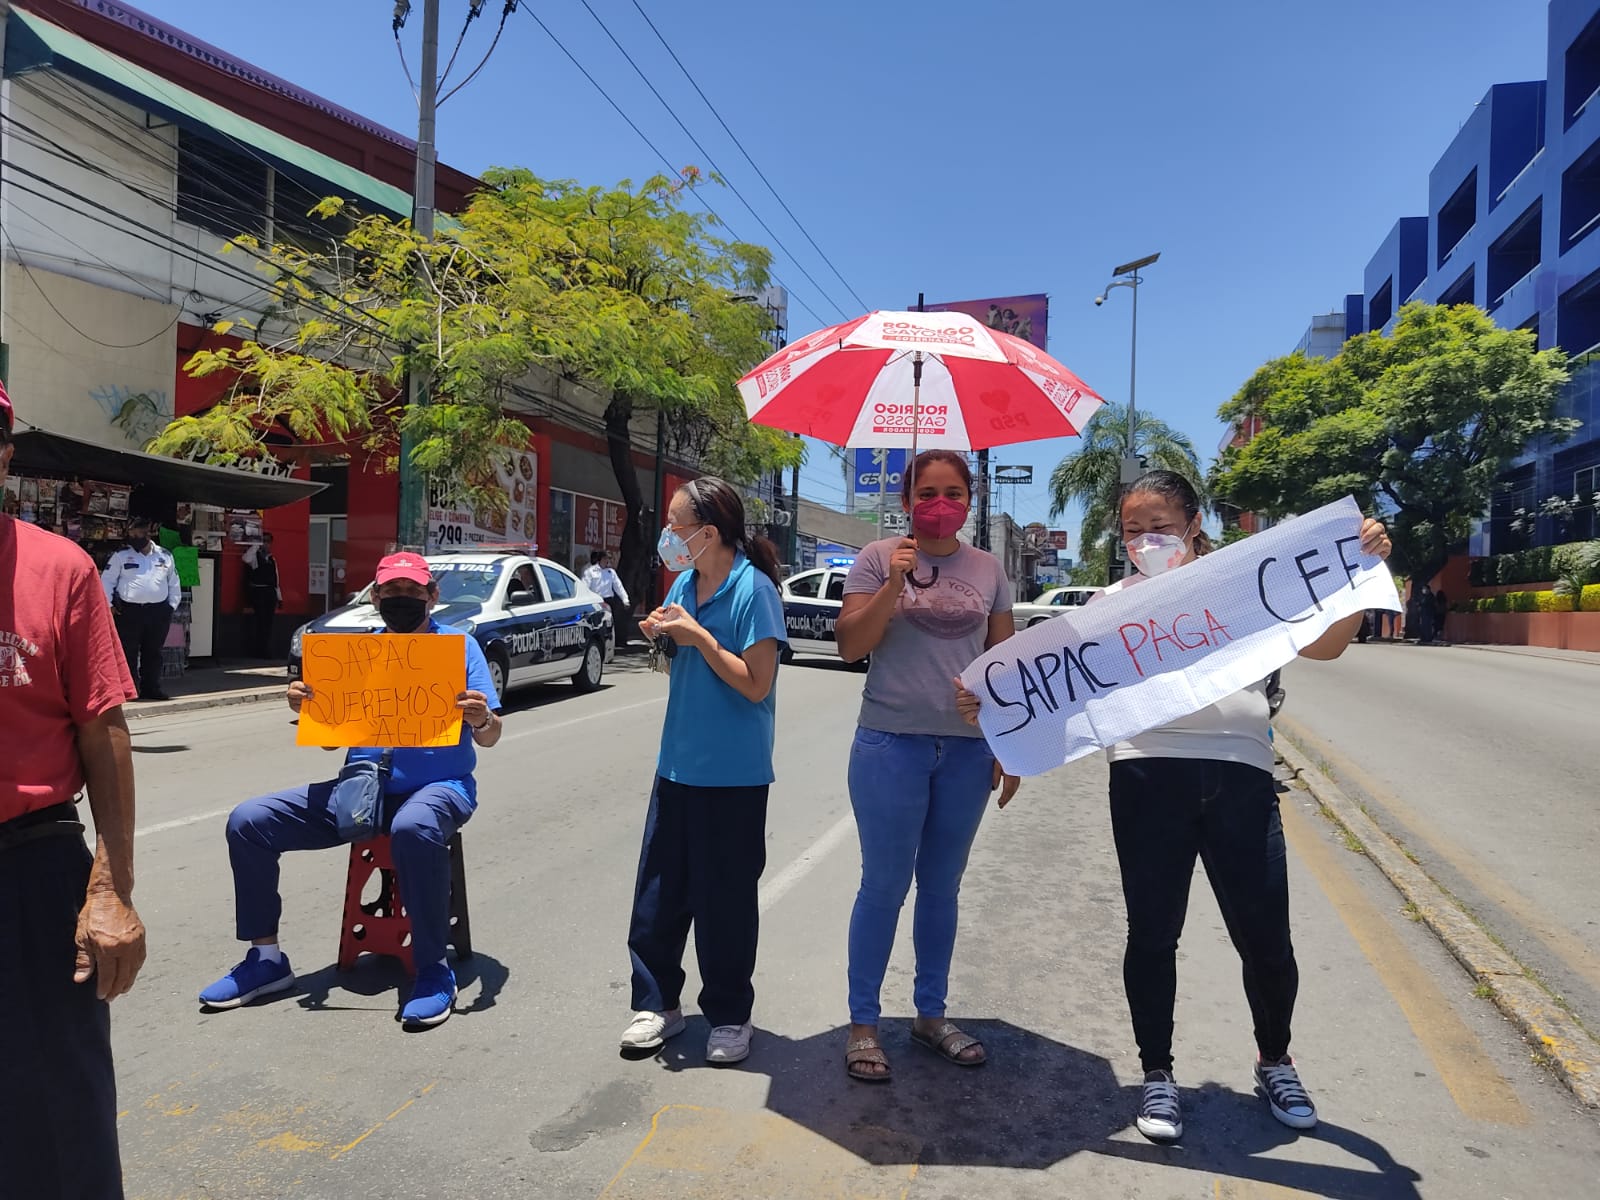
(1156,553)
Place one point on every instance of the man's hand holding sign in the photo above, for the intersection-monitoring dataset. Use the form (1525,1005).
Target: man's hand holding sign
(1144,656)
(384,690)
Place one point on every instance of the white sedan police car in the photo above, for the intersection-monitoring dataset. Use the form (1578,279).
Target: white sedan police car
(811,604)
(534,619)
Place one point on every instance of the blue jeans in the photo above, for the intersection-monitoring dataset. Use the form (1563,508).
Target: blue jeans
(918,800)
(302,818)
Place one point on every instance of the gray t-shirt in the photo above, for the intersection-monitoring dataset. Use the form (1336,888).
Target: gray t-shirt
(934,635)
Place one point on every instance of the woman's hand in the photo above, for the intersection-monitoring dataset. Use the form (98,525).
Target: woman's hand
(967,703)
(902,562)
(1375,538)
(674,622)
(1008,785)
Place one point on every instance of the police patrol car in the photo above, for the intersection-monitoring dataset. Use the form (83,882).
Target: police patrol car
(534,619)
(811,604)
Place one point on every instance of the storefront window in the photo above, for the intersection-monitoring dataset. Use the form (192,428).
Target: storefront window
(560,547)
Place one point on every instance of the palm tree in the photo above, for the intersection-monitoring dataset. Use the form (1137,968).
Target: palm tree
(1092,475)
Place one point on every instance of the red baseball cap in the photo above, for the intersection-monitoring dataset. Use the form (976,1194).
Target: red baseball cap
(404,566)
(7,417)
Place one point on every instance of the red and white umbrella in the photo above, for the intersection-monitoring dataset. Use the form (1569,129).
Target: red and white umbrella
(940,381)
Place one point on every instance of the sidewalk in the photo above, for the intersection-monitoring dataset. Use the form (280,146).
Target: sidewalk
(214,687)
(1580,656)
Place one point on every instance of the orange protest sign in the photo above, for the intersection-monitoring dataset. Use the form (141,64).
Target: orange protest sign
(382,689)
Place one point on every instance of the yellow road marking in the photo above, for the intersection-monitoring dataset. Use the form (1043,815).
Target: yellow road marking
(345,1149)
(1250,1189)
(1477,1087)
(1560,941)
(723,1154)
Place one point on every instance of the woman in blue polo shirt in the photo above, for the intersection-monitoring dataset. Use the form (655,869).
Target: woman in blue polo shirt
(705,833)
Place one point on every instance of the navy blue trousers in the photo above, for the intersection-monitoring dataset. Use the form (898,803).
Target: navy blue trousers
(302,818)
(703,854)
(58,1092)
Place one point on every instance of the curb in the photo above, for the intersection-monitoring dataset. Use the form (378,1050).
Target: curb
(1559,1038)
(188,704)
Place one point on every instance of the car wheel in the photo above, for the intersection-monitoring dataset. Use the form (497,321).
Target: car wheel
(594,665)
(497,675)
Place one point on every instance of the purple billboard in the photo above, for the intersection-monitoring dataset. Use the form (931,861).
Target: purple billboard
(1026,317)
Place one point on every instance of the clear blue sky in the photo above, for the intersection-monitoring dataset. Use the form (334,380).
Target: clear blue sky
(966,150)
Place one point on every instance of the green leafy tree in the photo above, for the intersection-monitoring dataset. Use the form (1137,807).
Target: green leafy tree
(538,283)
(1092,476)
(1416,425)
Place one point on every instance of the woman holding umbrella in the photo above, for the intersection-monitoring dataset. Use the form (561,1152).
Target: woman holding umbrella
(920,776)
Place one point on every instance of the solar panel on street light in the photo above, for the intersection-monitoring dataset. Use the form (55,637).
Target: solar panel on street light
(1136,264)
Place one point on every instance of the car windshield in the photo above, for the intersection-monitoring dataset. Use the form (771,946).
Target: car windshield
(466,583)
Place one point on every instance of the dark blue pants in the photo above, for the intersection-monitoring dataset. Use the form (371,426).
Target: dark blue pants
(58,1093)
(704,851)
(142,629)
(1164,812)
(302,818)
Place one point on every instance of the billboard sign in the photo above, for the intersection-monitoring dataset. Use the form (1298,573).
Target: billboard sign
(452,525)
(1058,538)
(1026,317)
(868,465)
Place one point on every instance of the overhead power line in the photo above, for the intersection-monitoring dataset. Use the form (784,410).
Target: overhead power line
(712,163)
(735,139)
(667,162)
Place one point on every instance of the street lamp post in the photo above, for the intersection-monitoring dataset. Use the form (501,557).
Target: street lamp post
(1127,275)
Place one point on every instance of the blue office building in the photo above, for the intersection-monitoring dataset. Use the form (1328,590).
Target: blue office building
(1513,225)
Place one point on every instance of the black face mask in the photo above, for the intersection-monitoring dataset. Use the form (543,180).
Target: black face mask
(139,541)
(403,614)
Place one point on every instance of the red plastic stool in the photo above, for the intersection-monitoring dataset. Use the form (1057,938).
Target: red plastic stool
(382,926)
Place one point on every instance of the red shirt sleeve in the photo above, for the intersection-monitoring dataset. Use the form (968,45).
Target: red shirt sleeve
(94,674)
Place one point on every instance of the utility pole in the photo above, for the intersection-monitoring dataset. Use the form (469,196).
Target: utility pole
(1127,275)
(794,516)
(413,525)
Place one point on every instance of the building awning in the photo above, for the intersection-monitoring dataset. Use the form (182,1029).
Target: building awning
(42,453)
(32,43)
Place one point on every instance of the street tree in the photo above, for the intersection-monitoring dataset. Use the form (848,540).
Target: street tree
(619,289)
(1092,475)
(1416,425)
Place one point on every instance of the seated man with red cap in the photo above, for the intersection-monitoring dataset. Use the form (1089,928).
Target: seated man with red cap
(430,794)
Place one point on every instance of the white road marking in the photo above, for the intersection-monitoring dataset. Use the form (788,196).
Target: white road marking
(196,818)
(610,712)
(780,884)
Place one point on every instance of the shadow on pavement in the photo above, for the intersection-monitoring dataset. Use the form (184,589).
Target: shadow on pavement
(375,975)
(1037,1103)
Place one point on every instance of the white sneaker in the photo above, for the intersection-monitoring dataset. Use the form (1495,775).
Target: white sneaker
(1286,1096)
(1160,1114)
(650,1030)
(729,1043)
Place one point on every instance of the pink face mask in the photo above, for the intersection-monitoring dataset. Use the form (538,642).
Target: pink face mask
(940,517)
(1156,553)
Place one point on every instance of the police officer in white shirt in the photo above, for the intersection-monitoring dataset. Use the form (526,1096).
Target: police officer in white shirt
(604,582)
(142,584)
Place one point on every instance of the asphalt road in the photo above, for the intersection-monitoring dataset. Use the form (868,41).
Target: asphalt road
(1424,1090)
(1483,765)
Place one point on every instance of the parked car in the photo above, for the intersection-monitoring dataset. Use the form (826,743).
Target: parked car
(1052,604)
(811,604)
(534,619)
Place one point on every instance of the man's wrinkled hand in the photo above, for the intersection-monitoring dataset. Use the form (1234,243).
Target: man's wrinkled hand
(299,692)
(110,944)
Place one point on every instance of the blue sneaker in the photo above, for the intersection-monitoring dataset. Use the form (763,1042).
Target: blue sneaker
(252,978)
(432,999)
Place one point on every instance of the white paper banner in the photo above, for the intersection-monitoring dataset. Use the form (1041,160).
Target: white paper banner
(1147,655)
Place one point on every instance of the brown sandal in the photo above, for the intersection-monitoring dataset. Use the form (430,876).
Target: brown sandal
(866,1050)
(948,1042)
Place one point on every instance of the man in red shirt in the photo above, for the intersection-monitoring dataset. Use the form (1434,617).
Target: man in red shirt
(70,940)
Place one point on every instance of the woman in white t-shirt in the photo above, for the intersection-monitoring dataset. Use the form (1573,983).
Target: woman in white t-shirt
(1202,786)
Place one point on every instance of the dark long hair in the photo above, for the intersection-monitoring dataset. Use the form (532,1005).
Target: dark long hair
(718,503)
(1174,489)
(926,459)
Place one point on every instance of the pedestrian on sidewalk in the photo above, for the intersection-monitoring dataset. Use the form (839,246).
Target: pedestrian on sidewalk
(1427,614)
(69,936)
(430,793)
(721,630)
(604,582)
(141,582)
(1441,613)
(262,586)
(920,776)
(1202,787)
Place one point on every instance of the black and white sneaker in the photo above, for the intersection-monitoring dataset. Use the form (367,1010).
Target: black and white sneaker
(1280,1084)
(1160,1115)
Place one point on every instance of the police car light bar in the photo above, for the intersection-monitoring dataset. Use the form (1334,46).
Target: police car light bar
(841,562)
